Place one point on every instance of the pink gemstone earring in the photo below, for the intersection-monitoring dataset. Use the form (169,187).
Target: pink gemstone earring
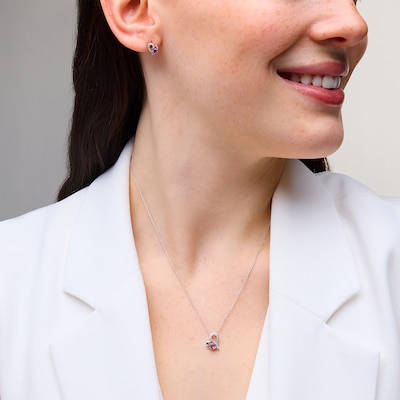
(152,48)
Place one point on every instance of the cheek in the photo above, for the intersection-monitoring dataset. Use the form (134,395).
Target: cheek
(355,54)
(230,29)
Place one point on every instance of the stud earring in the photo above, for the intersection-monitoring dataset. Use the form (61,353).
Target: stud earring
(152,48)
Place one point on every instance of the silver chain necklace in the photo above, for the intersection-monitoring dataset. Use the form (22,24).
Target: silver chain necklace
(213,341)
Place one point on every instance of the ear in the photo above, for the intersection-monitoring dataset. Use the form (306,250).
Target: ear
(132,22)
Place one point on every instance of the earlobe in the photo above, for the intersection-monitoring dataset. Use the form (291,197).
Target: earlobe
(131,22)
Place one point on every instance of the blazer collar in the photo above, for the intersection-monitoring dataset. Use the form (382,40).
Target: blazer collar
(311,259)
(102,251)
(106,351)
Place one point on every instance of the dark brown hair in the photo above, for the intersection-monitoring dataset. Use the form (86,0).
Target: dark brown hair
(109,89)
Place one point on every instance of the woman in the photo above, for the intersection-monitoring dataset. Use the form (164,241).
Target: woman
(207,263)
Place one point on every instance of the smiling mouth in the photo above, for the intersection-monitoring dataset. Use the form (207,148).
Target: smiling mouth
(324,81)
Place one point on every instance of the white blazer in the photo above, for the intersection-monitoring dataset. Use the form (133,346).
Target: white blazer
(74,323)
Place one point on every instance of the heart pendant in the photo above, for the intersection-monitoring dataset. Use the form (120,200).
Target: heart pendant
(213,342)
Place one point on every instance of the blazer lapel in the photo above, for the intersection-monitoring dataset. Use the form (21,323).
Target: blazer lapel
(103,348)
(311,361)
(312,275)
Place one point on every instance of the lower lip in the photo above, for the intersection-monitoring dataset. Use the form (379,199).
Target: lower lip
(333,97)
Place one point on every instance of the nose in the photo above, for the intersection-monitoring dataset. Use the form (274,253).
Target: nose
(339,22)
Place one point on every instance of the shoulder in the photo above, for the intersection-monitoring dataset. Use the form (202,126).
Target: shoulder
(33,250)
(33,226)
(372,223)
(32,243)
(353,197)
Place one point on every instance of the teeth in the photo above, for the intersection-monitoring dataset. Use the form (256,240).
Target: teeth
(317,80)
(306,79)
(295,78)
(326,82)
(331,82)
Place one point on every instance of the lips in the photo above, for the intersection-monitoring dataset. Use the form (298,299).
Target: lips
(320,82)
(324,81)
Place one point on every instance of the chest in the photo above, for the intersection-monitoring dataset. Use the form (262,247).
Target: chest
(186,368)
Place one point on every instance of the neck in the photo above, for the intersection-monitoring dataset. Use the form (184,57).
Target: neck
(205,199)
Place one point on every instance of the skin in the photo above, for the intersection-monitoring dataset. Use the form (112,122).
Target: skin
(217,124)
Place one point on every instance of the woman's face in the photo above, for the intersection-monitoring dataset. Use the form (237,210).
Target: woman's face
(266,74)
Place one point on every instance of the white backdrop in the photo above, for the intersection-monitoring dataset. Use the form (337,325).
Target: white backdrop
(36,49)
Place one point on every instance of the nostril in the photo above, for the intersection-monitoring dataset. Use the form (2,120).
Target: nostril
(345,28)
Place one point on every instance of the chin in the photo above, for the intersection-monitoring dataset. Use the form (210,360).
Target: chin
(328,139)
(319,146)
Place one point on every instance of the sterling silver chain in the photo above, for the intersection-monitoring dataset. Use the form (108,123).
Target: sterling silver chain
(213,341)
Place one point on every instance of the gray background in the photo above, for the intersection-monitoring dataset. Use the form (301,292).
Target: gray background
(36,100)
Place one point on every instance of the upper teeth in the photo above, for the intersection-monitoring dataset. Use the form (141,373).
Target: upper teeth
(327,81)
